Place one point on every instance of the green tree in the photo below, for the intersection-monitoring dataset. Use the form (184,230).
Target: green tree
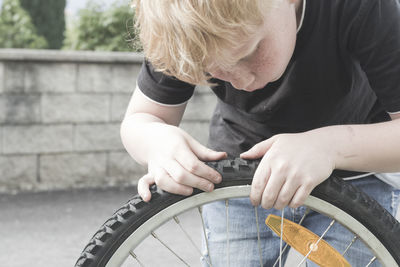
(16,28)
(48,17)
(108,30)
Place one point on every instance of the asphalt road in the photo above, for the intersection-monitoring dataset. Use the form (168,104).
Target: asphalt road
(52,228)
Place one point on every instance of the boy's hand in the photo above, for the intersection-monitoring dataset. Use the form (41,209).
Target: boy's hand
(176,164)
(292,165)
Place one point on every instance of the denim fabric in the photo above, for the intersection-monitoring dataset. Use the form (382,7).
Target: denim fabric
(243,246)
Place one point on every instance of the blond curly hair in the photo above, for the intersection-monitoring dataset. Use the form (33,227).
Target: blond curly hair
(181,38)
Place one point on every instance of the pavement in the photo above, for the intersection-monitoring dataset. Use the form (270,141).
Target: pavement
(51,228)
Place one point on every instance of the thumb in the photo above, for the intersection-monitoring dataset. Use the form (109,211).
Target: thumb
(204,153)
(258,150)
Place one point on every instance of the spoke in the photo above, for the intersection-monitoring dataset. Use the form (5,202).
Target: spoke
(280,242)
(304,216)
(312,246)
(136,258)
(166,246)
(371,261)
(286,246)
(190,239)
(227,230)
(204,233)
(351,243)
(258,237)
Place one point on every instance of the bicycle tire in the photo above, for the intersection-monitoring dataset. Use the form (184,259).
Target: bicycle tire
(237,172)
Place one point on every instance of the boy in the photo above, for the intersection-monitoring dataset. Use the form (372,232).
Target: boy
(309,86)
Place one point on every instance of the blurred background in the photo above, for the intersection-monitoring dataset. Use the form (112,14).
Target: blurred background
(105,25)
(67,71)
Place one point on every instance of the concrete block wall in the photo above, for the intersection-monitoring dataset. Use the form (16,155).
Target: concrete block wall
(60,114)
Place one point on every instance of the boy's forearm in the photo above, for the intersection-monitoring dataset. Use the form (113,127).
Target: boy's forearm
(369,148)
(135,135)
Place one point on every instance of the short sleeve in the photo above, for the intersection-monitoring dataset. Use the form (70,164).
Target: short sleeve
(375,42)
(162,88)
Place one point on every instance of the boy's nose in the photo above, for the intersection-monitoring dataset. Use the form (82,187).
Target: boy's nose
(238,79)
(242,82)
(241,79)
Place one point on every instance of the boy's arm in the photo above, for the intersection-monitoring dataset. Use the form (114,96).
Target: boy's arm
(371,147)
(140,111)
(293,164)
(150,134)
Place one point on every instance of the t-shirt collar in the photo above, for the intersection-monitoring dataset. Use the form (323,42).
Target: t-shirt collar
(303,11)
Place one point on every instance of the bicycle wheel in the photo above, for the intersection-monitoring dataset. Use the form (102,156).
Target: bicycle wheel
(116,240)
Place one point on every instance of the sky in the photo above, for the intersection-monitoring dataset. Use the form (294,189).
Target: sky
(74,5)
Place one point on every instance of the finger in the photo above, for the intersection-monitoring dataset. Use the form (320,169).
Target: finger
(285,195)
(181,176)
(193,165)
(204,153)
(144,184)
(261,177)
(166,183)
(258,150)
(300,197)
(272,190)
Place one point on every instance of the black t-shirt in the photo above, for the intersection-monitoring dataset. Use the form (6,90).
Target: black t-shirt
(345,70)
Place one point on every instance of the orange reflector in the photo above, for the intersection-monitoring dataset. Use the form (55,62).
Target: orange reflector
(303,240)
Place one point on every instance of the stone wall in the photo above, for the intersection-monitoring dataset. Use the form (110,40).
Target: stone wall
(60,114)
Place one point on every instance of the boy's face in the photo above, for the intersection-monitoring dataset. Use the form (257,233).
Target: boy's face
(265,56)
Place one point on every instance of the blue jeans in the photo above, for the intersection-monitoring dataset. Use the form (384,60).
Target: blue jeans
(243,245)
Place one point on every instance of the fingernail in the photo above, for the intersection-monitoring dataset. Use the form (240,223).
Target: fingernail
(145,196)
(218,179)
(210,187)
(189,192)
